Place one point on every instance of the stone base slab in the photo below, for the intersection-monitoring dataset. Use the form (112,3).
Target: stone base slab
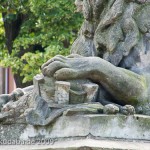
(135,127)
(84,144)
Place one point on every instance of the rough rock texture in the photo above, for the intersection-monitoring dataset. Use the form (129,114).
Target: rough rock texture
(14,111)
(14,96)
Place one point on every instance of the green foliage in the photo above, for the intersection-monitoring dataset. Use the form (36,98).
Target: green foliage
(49,23)
(2,36)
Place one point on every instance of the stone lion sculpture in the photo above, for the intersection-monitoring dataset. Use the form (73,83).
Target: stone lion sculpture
(117,32)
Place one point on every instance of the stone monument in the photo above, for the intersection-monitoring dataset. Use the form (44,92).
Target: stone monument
(101,90)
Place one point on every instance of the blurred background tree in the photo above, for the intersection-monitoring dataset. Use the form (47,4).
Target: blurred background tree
(33,31)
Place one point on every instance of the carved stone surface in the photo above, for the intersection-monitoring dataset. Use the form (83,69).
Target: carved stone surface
(71,91)
(62,92)
(117,31)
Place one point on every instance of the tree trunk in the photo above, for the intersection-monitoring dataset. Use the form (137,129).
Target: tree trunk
(12,28)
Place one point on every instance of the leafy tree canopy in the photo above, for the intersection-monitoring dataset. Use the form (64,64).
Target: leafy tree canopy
(32,31)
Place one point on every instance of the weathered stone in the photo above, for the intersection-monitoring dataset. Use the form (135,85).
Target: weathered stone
(39,113)
(111,109)
(4,98)
(77,97)
(39,78)
(112,126)
(11,131)
(62,92)
(128,110)
(15,110)
(14,96)
(93,108)
(3,116)
(77,94)
(48,89)
(17,94)
(8,106)
(28,89)
(92,91)
(118,32)
(35,116)
(104,126)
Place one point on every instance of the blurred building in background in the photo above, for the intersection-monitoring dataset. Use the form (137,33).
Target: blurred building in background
(7,83)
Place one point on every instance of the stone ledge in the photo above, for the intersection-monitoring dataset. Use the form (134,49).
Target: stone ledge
(112,126)
(104,126)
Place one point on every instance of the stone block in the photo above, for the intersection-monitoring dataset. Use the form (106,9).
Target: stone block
(62,92)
